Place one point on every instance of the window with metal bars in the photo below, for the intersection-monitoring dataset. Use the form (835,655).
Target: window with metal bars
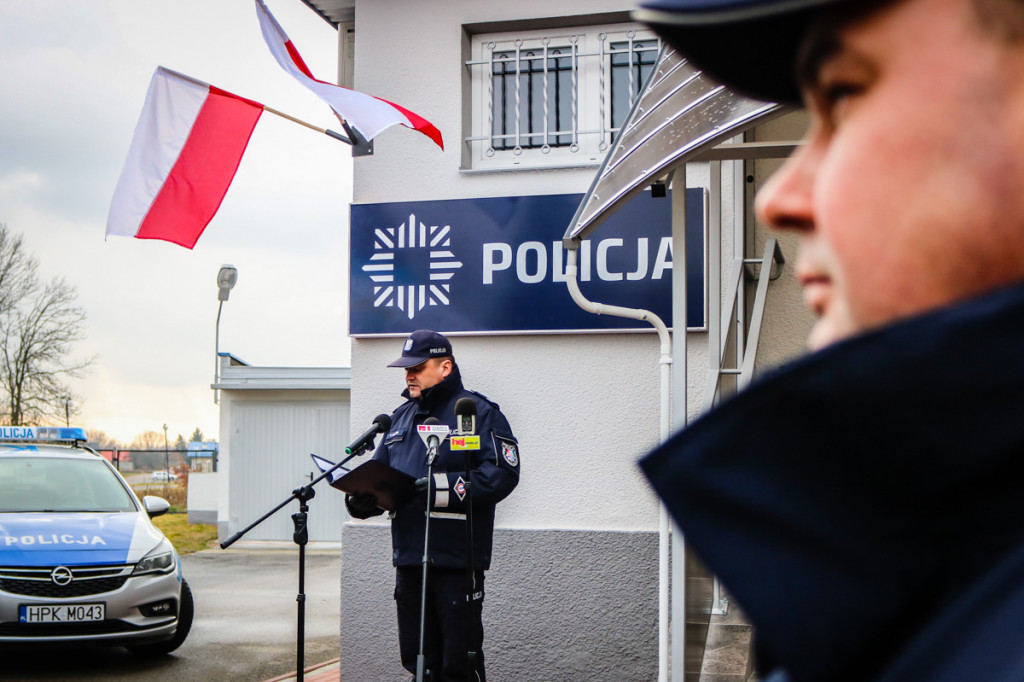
(554,99)
(533,101)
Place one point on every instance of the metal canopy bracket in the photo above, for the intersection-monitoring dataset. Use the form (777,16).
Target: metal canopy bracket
(745,364)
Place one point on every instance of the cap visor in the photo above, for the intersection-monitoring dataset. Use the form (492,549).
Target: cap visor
(407,362)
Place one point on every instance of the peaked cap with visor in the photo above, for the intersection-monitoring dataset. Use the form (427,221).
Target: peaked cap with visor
(750,46)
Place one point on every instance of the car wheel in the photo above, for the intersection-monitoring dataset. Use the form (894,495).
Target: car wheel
(185,614)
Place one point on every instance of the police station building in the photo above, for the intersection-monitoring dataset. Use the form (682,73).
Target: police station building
(585,583)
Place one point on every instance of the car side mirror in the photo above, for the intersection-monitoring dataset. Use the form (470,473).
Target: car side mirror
(155,506)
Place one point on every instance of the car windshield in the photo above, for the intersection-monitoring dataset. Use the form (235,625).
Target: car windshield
(51,484)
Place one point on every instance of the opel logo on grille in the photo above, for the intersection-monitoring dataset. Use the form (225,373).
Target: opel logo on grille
(61,576)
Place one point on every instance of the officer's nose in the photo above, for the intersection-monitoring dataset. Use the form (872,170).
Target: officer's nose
(786,200)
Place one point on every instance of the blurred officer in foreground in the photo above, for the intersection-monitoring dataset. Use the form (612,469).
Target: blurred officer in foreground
(865,504)
(453,625)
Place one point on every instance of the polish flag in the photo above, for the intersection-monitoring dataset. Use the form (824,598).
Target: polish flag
(184,154)
(367,114)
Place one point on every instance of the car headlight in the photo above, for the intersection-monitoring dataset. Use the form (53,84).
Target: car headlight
(160,560)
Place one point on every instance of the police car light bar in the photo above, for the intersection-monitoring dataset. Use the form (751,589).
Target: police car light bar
(48,434)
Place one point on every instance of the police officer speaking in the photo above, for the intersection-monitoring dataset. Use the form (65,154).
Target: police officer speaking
(453,596)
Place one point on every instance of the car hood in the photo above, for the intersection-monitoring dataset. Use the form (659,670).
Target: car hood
(75,539)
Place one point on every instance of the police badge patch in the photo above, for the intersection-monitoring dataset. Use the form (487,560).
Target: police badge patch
(509,452)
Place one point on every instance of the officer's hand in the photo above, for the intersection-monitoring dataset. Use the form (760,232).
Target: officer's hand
(422,486)
(362,505)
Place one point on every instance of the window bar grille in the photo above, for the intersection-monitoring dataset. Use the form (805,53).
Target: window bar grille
(629,45)
(519,80)
(573,40)
(603,144)
(497,114)
(546,147)
(490,103)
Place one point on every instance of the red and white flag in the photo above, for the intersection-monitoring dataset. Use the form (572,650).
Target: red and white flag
(184,154)
(368,114)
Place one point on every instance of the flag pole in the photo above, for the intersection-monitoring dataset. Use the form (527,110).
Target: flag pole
(325,131)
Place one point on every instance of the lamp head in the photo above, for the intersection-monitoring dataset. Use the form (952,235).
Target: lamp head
(226,279)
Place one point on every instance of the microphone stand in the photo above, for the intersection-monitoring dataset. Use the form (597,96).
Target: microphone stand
(300,537)
(464,410)
(421,657)
(470,573)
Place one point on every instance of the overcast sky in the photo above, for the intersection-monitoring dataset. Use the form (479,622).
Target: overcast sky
(73,77)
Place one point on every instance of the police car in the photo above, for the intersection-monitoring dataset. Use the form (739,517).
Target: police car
(80,559)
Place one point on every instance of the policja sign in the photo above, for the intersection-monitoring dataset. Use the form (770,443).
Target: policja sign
(497,264)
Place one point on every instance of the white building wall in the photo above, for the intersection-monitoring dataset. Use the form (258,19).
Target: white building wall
(583,413)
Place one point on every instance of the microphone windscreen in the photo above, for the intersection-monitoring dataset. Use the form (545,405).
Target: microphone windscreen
(430,421)
(465,407)
(383,421)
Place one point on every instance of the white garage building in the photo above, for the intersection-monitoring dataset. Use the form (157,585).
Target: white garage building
(271,420)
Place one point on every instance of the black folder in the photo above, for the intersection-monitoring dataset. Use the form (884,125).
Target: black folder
(391,487)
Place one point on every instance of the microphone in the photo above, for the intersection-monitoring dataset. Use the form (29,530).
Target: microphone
(432,431)
(381,423)
(465,410)
(433,441)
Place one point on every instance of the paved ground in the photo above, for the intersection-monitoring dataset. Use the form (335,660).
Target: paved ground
(244,628)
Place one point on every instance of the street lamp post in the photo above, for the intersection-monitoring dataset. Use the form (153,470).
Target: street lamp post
(167,459)
(67,410)
(226,279)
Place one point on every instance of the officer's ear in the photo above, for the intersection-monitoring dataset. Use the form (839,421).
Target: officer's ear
(446,366)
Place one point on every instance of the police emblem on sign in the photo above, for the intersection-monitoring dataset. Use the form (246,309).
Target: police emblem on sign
(508,451)
(460,488)
(412,266)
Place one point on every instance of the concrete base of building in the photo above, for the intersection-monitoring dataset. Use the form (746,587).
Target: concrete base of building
(560,605)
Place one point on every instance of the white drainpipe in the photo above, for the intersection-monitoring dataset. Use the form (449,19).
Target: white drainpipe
(665,361)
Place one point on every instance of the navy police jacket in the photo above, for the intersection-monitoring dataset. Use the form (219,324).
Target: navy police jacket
(865,504)
(495,473)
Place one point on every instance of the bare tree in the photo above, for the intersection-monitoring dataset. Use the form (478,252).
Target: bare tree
(17,271)
(39,324)
(148,440)
(101,441)
(36,338)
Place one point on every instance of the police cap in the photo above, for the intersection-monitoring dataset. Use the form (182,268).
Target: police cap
(422,345)
(748,45)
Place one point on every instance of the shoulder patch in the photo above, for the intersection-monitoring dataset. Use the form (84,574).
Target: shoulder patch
(509,450)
